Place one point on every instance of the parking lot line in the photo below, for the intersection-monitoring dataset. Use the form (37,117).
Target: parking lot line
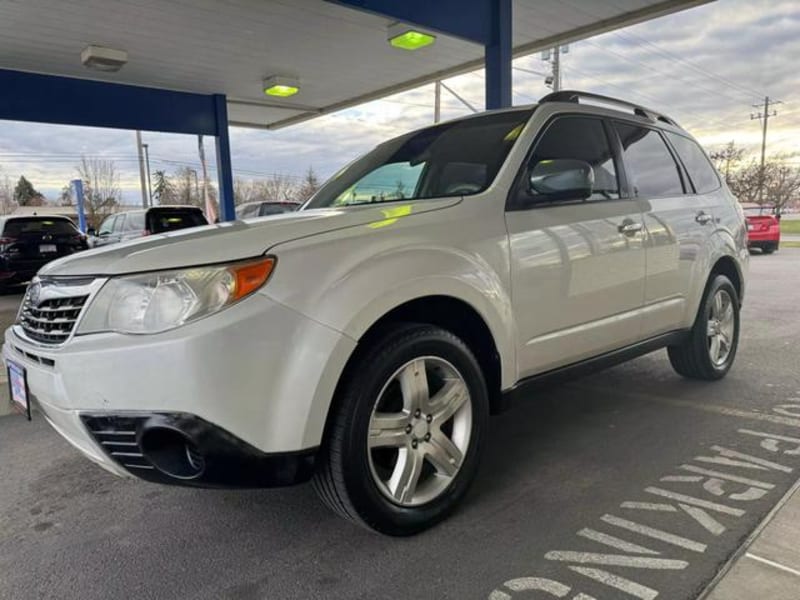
(704,407)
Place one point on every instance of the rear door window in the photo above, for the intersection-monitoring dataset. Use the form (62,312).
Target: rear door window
(703,176)
(38,226)
(169,220)
(651,169)
(119,224)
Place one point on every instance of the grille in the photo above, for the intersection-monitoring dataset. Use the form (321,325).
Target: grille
(117,436)
(50,310)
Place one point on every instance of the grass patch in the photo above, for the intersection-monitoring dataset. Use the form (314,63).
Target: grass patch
(790,226)
(787,244)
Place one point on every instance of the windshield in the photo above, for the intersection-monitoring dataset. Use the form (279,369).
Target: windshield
(451,159)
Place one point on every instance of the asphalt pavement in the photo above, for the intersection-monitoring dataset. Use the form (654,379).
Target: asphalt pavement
(630,483)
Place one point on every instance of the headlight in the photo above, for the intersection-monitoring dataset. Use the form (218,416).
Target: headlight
(163,300)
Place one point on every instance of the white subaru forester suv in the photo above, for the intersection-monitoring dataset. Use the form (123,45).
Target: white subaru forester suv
(363,341)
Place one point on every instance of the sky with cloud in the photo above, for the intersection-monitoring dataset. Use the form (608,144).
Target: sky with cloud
(705,67)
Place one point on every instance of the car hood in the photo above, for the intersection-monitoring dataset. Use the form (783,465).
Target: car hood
(227,242)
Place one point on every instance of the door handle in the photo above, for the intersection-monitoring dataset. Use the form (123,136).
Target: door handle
(629,227)
(703,218)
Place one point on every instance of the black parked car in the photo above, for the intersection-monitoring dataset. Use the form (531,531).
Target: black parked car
(28,243)
(133,224)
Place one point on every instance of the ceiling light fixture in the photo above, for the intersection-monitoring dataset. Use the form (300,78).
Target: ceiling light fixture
(281,86)
(406,37)
(103,59)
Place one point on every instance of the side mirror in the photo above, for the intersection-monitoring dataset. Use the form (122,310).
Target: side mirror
(561,179)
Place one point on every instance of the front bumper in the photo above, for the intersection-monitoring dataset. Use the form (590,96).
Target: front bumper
(183,449)
(257,374)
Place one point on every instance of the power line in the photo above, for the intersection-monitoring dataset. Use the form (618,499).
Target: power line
(674,57)
(664,52)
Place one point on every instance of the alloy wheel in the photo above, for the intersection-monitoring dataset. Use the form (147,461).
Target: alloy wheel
(419,431)
(721,328)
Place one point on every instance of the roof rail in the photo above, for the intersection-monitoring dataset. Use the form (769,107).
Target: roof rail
(575,96)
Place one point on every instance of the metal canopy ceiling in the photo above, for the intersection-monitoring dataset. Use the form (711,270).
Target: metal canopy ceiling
(339,54)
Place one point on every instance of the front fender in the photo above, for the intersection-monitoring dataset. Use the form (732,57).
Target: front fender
(371,286)
(347,282)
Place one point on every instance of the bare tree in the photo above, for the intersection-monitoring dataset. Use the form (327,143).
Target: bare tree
(243,191)
(65,197)
(308,187)
(745,181)
(277,188)
(186,185)
(781,185)
(7,203)
(727,159)
(101,191)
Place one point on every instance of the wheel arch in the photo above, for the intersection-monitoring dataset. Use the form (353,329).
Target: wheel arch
(727,266)
(456,316)
(449,312)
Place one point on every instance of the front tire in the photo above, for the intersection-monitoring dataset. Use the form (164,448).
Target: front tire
(406,431)
(710,349)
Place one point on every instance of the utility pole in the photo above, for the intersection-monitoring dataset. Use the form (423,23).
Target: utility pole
(211,213)
(554,58)
(437,102)
(142,181)
(764,117)
(149,183)
(556,69)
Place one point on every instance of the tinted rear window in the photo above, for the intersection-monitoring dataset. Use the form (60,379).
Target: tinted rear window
(162,220)
(651,168)
(38,225)
(276,209)
(703,175)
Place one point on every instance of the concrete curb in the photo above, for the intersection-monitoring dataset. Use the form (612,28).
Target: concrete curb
(725,571)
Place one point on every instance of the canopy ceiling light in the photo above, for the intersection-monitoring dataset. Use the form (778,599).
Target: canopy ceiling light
(99,58)
(406,37)
(281,86)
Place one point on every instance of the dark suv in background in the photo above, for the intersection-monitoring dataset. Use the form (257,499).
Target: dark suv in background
(28,243)
(129,225)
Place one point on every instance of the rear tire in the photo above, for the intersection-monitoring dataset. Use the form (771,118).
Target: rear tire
(710,349)
(405,433)
(768,249)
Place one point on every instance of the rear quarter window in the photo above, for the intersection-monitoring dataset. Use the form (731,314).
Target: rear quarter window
(702,174)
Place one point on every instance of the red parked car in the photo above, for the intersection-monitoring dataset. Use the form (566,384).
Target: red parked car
(763,229)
